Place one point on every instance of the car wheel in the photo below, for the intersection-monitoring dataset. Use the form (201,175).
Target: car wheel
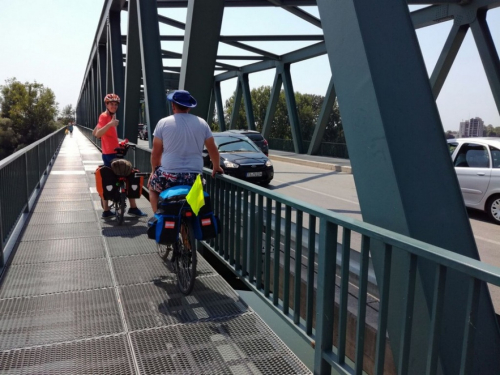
(265,183)
(493,208)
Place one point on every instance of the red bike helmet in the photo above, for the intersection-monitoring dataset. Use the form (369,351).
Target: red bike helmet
(111,98)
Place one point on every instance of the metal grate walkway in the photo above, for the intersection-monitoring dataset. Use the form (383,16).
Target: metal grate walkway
(84,296)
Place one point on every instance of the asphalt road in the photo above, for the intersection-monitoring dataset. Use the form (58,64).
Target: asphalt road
(336,191)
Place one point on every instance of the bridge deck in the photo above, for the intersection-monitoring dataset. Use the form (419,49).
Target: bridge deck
(86,296)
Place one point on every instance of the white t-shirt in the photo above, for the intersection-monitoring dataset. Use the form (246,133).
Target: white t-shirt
(183,137)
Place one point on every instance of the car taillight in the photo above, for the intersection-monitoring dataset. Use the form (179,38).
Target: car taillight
(265,142)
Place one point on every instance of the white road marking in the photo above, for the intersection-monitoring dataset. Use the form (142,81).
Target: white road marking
(487,240)
(316,192)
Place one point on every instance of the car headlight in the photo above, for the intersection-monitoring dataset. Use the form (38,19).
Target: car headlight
(229,164)
(269,164)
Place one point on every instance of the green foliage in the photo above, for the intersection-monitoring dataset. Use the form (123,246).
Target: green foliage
(308,110)
(30,109)
(67,115)
(490,131)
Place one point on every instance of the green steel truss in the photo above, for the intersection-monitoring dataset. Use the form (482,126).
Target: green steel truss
(374,56)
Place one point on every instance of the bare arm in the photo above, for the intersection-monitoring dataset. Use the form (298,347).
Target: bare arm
(156,153)
(99,132)
(213,152)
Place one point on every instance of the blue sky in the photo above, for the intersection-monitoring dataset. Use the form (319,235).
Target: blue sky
(50,41)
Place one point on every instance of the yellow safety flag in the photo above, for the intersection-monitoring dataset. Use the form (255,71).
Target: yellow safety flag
(195,197)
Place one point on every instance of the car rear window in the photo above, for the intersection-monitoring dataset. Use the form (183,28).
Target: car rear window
(255,137)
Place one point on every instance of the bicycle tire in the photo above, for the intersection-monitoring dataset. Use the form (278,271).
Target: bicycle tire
(164,251)
(186,258)
(120,210)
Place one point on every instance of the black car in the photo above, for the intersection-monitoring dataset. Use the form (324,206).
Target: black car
(241,158)
(143,132)
(256,137)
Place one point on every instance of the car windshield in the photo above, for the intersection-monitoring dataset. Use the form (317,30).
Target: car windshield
(234,144)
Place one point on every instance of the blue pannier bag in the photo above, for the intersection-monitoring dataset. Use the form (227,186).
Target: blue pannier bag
(206,225)
(167,229)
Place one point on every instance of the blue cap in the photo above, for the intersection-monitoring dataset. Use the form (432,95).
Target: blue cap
(183,98)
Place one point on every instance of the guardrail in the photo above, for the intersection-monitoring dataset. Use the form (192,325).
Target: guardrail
(20,176)
(336,150)
(269,263)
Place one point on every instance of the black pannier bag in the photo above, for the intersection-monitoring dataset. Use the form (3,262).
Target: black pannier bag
(106,183)
(134,185)
(206,225)
(167,229)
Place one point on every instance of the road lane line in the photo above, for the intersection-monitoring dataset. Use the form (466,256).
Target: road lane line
(487,240)
(314,191)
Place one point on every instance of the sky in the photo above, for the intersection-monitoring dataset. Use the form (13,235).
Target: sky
(50,41)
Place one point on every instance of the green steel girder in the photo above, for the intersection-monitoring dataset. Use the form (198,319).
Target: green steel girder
(488,54)
(326,110)
(236,104)
(248,101)
(204,20)
(116,63)
(400,183)
(133,76)
(292,109)
(101,64)
(154,89)
(273,101)
(448,54)
(220,107)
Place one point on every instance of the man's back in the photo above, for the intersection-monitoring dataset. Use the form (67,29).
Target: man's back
(183,136)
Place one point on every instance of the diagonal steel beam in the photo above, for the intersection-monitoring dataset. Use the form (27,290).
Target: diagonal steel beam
(488,54)
(324,116)
(448,54)
(253,49)
(297,12)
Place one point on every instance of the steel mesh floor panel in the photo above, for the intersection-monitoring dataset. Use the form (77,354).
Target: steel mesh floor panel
(59,250)
(147,268)
(67,167)
(68,198)
(66,178)
(160,303)
(123,246)
(62,217)
(64,192)
(238,345)
(45,232)
(46,278)
(64,187)
(64,206)
(129,229)
(39,320)
(106,356)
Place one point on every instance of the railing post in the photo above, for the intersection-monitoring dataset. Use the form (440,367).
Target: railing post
(27,209)
(1,235)
(38,166)
(325,297)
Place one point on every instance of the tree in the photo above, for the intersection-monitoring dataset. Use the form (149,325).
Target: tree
(8,138)
(67,114)
(308,110)
(31,108)
(449,134)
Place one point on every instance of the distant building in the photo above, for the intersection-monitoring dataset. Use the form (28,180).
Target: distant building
(471,128)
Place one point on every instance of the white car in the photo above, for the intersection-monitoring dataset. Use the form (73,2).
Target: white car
(477,164)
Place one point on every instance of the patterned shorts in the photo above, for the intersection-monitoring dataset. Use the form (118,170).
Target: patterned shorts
(163,180)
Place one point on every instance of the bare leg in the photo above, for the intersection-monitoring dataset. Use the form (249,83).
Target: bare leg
(105,205)
(153,199)
(132,203)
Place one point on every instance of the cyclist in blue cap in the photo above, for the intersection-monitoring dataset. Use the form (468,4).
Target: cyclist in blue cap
(176,157)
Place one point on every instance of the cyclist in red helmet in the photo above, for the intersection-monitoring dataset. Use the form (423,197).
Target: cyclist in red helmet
(106,130)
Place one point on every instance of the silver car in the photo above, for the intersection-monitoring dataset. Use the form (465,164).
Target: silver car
(477,164)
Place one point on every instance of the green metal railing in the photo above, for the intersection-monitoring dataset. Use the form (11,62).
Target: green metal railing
(258,245)
(335,150)
(20,175)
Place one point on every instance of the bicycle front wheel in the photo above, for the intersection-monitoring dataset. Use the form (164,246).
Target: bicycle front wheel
(186,258)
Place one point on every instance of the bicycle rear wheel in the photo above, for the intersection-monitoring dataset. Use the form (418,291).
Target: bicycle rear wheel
(120,210)
(186,258)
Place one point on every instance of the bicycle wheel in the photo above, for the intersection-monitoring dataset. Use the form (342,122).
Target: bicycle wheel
(164,251)
(186,258)
(120,210)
